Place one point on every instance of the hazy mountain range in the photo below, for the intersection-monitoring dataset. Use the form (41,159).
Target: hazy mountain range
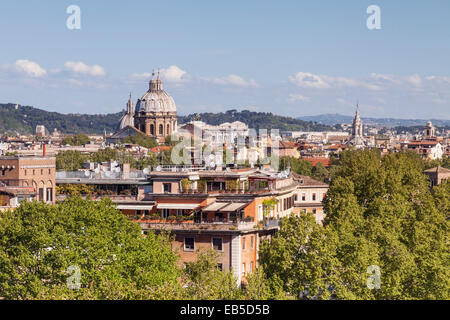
(333,119)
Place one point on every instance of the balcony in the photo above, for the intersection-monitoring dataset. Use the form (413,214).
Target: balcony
(192,226)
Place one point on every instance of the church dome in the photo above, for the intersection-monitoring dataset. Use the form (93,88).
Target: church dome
(155,99)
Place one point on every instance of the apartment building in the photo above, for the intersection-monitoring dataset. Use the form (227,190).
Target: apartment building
(309,196)
(36,173)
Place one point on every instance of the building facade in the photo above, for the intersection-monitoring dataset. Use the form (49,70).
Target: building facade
(35,172)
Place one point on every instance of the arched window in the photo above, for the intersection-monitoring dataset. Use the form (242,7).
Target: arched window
(168,129)
(161,129)
(152,129)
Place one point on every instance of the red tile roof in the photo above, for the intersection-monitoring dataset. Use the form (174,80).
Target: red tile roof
(325,161)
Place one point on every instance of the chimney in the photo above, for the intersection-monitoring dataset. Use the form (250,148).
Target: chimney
(44,150)
(126,171)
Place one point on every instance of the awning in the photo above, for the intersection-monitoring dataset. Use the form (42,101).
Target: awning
(187,206)
(215,206)
(233,207)
(134,207)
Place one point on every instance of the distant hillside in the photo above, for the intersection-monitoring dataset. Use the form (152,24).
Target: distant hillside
(256,120)
(25,119)
(333,119)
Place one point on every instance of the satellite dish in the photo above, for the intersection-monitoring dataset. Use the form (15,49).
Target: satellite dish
(87,173)
(104,169)
(146,171)
(158,168)
(117,169)
(97,170)
(212,164)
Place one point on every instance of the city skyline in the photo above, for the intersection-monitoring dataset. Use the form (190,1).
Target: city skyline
(295,59)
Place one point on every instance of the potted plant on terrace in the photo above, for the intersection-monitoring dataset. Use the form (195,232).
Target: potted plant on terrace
(268,206)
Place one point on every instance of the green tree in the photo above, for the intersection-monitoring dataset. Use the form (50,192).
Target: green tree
(203,280)
(104,155)
(302,167)
(261,287)
(70,160)
(319,172)
(75,140)
(379,212)
(140,139)
(39,242)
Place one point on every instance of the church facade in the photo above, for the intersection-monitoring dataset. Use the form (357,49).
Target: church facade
(155,114)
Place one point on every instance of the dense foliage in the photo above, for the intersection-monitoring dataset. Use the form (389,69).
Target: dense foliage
(256,120)
(75,140)
(25,119)
(140,139)
(380,214)
(304,168)
(39,243)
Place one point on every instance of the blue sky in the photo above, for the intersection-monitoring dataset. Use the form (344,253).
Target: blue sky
(287,57)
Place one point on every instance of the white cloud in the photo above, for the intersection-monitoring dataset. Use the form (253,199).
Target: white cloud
(79,67)
(415,80)
(308,80)
(29,68)
(140,76)
(173,74)
(293,97)
(233,80)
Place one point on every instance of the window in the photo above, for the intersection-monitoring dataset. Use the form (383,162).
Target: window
(152,129)
(188,244)
(252,242)
(161,129)
(168,128)
(314,211)
(260,212)
(243,243)
(303,196)
(217,244)
(167,187)
(314,197)
(49,194)
(251,266)
(324,195)
(49,171)
(25,171)
(243,269)
(41,194)
(165,213)
(220,266)
(295,197)
(42,172)
(3,172)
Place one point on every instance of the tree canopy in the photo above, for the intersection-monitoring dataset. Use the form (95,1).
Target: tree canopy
(381,216)
(42,247)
